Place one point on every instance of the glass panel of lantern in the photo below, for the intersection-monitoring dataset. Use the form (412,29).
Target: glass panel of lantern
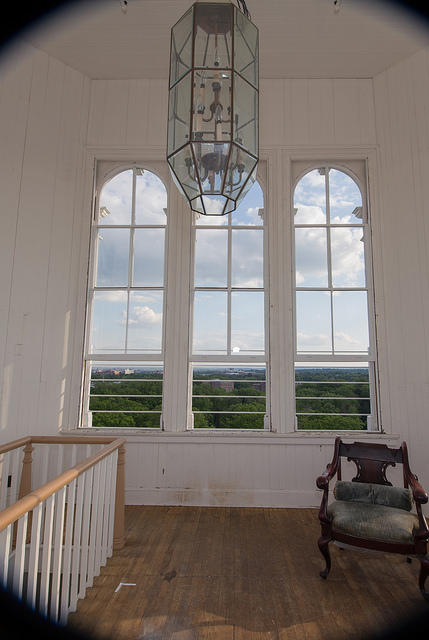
(181,47)
(212,132)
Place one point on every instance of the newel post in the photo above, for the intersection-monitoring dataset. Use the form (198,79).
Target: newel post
(25,483)
(118,531)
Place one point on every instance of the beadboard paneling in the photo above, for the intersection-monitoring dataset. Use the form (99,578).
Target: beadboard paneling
(292,112)
(52,113)
(402,119)
(44,118)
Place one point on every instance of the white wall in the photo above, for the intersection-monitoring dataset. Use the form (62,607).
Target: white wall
(401,98)
(54,122)
(44,114)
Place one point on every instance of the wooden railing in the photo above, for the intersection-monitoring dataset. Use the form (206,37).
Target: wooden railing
(55,538)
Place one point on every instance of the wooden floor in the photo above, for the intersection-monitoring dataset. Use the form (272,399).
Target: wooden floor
(189,573)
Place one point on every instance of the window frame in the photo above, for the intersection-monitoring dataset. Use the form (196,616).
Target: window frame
(277,176)
(104,171)
(199,360)
(358,171)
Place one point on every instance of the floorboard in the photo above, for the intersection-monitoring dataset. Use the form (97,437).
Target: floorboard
(197,573)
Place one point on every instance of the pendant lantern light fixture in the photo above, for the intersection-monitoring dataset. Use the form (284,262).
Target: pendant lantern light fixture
(212,147)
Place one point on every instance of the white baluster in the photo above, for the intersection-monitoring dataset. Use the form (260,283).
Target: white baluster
(33,565)
(68,541)
(83,581)
(95,501)
(19,565)
(5,548)
(60,504)
(46,555)
(77,545)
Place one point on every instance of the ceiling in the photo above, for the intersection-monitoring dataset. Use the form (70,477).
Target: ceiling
(298,38)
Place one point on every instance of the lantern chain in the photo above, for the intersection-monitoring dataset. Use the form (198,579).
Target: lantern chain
(242,5)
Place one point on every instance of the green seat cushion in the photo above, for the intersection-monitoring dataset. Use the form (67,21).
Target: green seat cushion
(373,521)
(385,495)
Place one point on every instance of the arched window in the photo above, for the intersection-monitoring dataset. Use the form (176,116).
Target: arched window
(228,344)
(124,347)
(334,317)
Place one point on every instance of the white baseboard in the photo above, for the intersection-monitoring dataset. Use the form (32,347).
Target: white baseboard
(207,498)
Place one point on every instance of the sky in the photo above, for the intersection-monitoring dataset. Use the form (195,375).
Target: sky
(321,303)
(246,280)
(331,311)
(120,322)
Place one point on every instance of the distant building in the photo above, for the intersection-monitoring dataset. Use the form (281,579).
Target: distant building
(228,385)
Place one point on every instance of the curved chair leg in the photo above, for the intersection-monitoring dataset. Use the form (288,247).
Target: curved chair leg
(323,543)
(424,573)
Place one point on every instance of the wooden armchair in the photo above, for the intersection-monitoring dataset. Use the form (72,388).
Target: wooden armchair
(369,512)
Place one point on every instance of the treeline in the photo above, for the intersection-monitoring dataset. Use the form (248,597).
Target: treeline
(122,396)
(334,392)
(326,399)
(216,408)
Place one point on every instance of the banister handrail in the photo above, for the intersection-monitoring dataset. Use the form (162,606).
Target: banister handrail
(55,538)
(30,501)
(21,442)
(15,444)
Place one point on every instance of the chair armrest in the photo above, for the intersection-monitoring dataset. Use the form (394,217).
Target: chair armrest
(323,480)
(419,494)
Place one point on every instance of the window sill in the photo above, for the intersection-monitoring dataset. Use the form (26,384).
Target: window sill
(195,436)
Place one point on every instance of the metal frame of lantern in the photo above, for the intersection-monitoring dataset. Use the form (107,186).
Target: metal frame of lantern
(212,147)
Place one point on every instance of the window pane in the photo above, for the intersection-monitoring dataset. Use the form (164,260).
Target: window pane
(310,198)
(225,397)
(313,322)
(211,221)
(248,211)
(333,396)
(247,323)
(126,396)
(210,322)
(348,253)
(116,200)
(211,258)
(351,322)
(113,254)
(109,321)
(145,322)
(345,199)
(126,303)
(148,257)
(151,199)
(311,257)
(247,258)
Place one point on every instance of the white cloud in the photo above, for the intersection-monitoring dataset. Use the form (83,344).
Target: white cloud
(345,340)
(151,199)
(143,316)
(300,278)
(111,296)
(309,214)
(313,340)
(347,253)
(146,297)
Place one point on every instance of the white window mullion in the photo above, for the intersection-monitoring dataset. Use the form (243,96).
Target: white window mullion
(229,289)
